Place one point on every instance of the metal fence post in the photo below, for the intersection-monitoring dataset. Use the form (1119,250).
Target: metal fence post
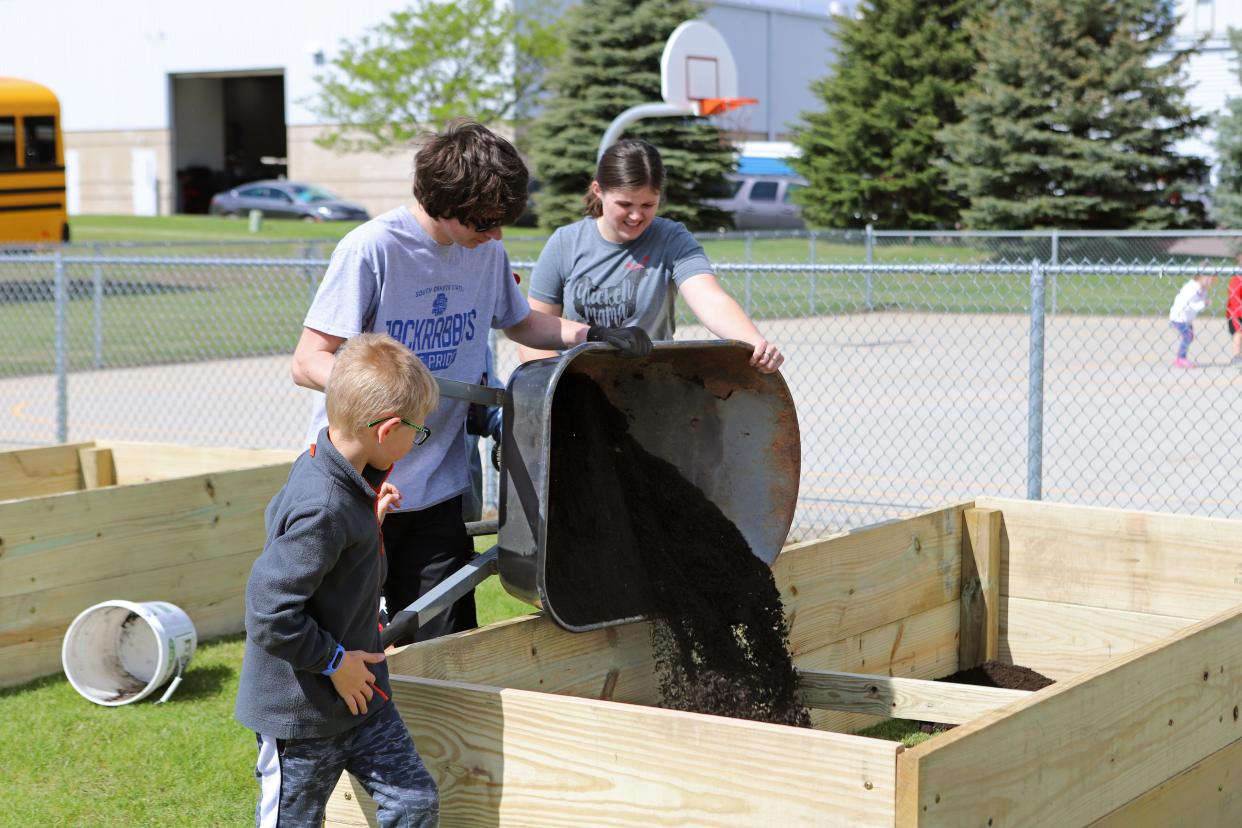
(1035,389)
(1056,259)
(870,254)
(814,276)
(62,350)
(97,280)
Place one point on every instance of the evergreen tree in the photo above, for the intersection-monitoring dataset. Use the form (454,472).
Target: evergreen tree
(611,62)
(1072,118)
(871,156)
(1227,198)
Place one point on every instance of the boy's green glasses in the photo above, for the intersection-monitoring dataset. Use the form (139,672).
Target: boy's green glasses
(421,433)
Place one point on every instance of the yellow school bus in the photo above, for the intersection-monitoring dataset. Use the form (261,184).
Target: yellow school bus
(32,165)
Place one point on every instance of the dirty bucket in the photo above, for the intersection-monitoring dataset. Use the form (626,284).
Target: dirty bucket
(118,652)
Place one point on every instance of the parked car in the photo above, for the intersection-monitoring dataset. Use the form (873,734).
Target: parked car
(763,202)
(286,199)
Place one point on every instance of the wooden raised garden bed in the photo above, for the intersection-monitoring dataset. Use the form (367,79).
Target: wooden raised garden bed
(1137,617)
(92,522)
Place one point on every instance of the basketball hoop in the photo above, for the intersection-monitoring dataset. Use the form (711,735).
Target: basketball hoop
(719,106)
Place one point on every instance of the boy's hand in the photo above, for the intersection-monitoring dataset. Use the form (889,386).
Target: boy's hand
(389,498)
(353,681)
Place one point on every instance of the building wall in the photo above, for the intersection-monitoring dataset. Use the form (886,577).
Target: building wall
(1212,73)
(113,64)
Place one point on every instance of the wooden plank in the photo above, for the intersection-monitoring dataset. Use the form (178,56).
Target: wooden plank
(1206,794)
(922,646)
(1178,565)
(211,592)
(516,758)
(978,639)
(851,583)
(902,698)
(39,471)
(82,537)
(1080,749)
(1064,640)
(143,462)
(97,467)
(533,653)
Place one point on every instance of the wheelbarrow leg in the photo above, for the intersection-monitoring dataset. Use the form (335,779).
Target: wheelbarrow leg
(437,600)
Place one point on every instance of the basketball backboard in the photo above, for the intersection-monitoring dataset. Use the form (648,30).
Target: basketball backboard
(697,71)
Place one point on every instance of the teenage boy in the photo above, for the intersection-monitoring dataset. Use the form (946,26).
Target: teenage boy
(314,684)
(435,277)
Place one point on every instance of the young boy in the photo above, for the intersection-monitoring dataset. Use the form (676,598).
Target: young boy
(435,276)
(314,685)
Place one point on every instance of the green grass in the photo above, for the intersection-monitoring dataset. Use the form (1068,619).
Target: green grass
(71,762)
(898,730)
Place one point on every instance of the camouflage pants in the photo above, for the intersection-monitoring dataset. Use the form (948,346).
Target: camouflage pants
(296,776)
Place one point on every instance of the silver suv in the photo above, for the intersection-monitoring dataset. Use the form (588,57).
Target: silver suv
(763,202)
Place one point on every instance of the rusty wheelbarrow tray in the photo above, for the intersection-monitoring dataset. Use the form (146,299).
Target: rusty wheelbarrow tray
(728,429)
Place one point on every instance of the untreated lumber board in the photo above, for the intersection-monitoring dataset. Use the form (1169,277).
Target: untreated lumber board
(1078,750)
(1064,640)
(923,646)
(533,653)
(1207,794)
(142,462)
(97,467)
(870,577)
(978,638)
(517,758)
(1178,565)
(40,471)
(902,698)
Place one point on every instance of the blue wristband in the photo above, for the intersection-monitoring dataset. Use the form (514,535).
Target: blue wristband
(334,663)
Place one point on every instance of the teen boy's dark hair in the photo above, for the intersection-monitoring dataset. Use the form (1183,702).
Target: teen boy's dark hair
(469,173)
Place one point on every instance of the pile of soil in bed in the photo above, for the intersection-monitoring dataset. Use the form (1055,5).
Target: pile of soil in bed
(629,536)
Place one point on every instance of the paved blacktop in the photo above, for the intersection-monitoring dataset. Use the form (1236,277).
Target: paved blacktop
(898,412)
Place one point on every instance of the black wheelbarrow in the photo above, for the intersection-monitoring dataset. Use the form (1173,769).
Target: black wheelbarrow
(727,429)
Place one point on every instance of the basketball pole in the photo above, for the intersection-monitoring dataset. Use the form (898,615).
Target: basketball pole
(637,113)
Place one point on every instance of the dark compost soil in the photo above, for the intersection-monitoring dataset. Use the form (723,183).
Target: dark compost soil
(629,536)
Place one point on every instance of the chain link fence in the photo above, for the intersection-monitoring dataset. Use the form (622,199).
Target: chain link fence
(916,383)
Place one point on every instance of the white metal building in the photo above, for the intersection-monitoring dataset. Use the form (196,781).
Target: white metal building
(161,102)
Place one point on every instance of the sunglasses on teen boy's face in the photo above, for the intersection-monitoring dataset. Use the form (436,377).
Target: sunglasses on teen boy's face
(481,226)
(421,433)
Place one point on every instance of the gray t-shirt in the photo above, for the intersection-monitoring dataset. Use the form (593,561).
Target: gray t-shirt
(603,283)
(389,275)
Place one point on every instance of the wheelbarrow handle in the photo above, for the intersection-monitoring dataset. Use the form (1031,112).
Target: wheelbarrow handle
(407,621)
(471,392)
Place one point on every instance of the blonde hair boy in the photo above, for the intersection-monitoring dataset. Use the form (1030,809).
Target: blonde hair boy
(375,375)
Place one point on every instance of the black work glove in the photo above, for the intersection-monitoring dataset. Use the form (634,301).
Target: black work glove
(630,340)
(496,455)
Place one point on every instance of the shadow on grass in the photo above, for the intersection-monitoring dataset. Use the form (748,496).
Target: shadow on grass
(203,682)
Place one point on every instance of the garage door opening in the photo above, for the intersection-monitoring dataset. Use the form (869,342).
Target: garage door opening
(228,129)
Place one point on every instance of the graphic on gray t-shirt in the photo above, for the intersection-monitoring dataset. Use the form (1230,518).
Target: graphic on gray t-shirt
(603,283)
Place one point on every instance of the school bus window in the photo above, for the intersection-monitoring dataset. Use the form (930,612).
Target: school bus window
(8,143)
(40,142)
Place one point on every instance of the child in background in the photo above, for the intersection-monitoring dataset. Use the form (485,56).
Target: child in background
(1190,300)
(1233,314)
(314,685)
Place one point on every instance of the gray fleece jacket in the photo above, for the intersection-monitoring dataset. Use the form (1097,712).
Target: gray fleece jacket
(316,584)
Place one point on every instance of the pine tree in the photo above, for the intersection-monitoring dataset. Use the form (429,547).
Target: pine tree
(1227,198)
(1071,120)
(871,156)
(611,62)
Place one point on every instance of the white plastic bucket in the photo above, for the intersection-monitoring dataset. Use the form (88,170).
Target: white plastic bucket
(118,652)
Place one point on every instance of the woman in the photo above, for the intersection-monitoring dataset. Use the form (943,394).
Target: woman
(622,264)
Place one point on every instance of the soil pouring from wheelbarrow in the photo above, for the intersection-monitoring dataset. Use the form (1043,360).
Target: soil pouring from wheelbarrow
(726,428)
